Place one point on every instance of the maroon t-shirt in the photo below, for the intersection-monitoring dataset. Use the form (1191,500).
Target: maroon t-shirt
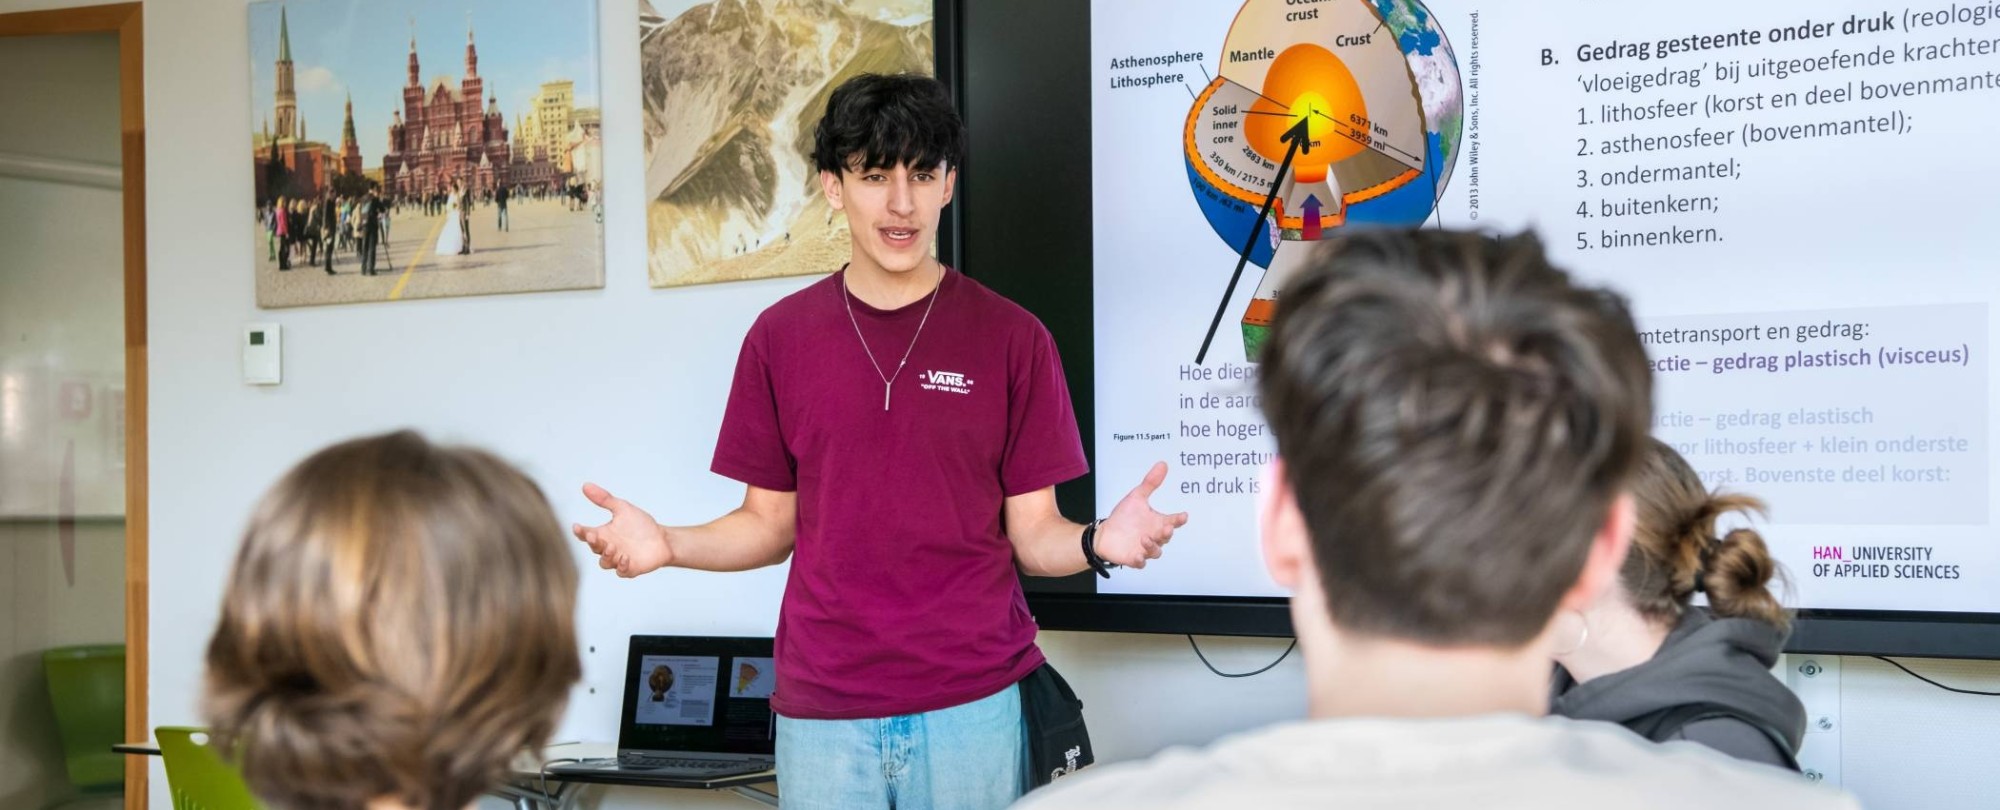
(902,596)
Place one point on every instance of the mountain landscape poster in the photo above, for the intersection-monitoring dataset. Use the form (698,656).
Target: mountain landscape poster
(732,89)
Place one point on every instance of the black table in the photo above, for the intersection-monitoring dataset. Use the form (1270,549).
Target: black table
(532,788)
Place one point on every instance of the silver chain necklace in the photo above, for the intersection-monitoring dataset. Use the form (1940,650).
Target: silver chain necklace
(888,380)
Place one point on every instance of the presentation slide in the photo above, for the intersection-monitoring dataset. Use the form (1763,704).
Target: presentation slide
(676,690)
(1791,193)
(755,678)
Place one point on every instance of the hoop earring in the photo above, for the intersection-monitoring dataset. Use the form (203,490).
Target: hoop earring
(1582,639)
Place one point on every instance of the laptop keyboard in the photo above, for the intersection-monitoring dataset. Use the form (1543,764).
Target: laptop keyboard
(686,765)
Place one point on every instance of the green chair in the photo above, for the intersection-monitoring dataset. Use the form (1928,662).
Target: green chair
(87,692)
(197,775)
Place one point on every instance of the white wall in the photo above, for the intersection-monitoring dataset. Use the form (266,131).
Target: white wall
(625,386)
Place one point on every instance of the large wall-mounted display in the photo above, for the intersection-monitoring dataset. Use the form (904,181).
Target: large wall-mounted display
(1784,192)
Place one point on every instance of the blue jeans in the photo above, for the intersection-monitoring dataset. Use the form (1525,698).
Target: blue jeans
(967,757)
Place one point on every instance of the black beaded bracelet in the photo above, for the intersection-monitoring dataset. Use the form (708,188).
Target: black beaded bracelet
(1096,563)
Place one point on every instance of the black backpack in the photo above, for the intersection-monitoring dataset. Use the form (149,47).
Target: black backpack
(1666,724)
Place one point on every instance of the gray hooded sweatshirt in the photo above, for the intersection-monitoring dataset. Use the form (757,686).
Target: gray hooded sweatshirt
(1721,662)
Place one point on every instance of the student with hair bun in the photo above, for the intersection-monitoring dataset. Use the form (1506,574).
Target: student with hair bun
(399,624)
(1646,659)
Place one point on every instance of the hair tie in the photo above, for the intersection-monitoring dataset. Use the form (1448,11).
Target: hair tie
(1701,570)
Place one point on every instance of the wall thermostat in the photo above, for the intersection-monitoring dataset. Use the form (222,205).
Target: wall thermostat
(263,358)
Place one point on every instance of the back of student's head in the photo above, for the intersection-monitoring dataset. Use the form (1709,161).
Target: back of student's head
(881,121)
(399,624)
(1456,417)
(1675,551)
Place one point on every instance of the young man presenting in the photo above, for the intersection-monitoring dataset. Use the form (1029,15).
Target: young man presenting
(901,429)
(1456,424)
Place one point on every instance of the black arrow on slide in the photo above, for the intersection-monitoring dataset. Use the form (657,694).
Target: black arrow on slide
(1301,141)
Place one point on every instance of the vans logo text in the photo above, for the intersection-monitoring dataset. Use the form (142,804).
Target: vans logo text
(945,381)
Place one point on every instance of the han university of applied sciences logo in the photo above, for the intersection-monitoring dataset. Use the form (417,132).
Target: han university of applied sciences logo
(945,381)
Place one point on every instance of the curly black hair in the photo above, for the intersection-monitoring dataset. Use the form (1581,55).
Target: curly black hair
(876,121)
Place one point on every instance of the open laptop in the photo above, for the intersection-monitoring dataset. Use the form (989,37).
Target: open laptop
(696,707)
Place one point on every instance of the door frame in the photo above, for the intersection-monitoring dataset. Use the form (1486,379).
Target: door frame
(125,20)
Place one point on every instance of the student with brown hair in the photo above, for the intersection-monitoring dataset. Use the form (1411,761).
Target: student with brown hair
(398,626)
(1457,426)
(1644,658)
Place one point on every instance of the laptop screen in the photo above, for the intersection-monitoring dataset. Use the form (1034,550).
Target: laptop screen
(707,694)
